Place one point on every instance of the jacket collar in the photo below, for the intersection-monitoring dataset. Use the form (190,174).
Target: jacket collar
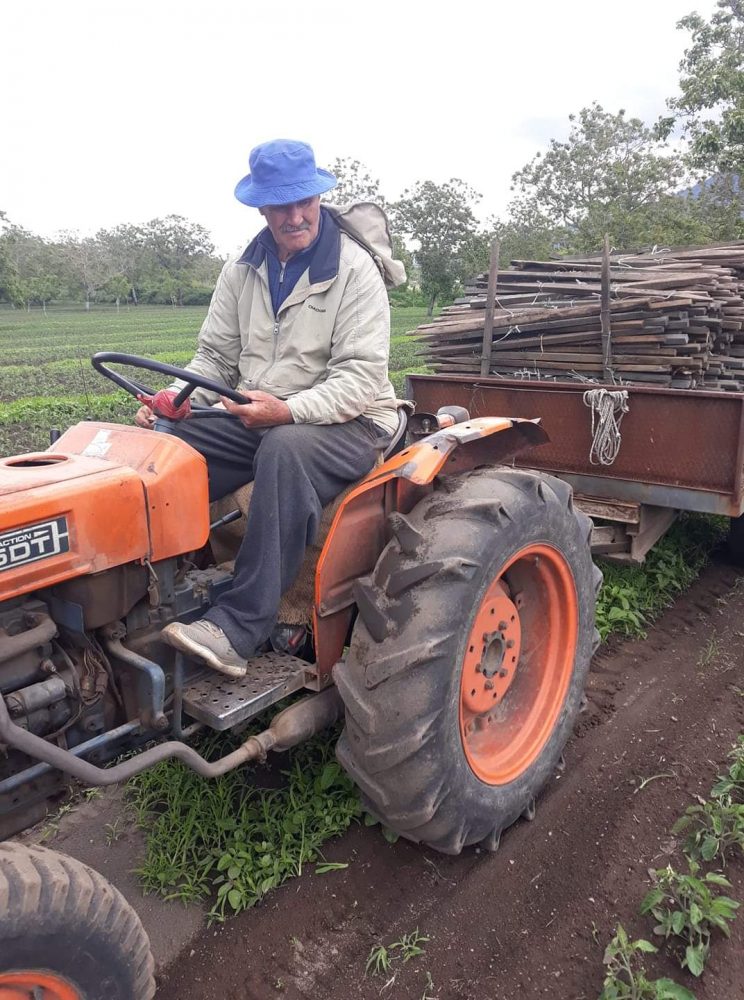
(325,254)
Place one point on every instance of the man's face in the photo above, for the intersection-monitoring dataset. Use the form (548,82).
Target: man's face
(293,226)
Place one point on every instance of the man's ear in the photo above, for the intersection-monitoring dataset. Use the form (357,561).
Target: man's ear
(261,212)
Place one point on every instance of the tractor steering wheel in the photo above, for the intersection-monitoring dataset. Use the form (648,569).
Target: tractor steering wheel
(193,380)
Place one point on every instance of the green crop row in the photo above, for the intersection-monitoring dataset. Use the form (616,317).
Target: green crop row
(25,424)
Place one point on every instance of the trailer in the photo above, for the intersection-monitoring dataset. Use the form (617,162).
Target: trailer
(681,450)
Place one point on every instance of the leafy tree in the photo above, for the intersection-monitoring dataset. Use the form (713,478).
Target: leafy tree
(355,183)
(9,287)
(525,234)
(179,249)
(123,249)
(439,219)
(710,106)
(87,267)
(612,175)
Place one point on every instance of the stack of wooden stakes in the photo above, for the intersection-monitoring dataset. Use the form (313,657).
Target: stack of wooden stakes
(676,318)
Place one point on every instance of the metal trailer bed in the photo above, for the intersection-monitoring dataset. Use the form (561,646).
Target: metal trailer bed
(682,450)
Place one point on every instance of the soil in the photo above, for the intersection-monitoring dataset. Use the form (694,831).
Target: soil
(533,919)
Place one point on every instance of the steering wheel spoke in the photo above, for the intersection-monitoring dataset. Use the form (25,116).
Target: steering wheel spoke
(193,380)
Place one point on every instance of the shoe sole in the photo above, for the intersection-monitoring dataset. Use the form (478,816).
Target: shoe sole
(174,635)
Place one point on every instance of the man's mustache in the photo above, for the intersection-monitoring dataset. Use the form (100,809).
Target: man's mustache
(286,228)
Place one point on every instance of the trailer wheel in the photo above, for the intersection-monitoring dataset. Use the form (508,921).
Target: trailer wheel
(66,933)
(469,656)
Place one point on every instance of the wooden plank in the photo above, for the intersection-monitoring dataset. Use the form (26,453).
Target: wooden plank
(487,342)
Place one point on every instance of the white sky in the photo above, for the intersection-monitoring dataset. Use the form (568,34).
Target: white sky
(119,112)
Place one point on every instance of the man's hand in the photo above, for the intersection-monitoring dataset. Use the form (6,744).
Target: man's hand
(144,417)
(263,410)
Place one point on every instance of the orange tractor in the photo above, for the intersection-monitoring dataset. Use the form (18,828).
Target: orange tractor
(451,628)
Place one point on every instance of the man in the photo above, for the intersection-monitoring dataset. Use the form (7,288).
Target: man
(300,325)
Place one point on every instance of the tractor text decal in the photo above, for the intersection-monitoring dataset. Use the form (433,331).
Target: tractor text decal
(37,541)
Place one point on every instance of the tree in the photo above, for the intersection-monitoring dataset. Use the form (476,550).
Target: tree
(355,184)
(525,234)
(439,219)
(180,249)
(612,174)
(86,265)
(710,106)
(9,287)
(123,248)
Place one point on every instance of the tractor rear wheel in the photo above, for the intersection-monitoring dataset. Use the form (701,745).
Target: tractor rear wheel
(469,656)
(66,933)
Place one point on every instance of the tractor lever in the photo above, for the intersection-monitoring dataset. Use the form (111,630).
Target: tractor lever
(421,425)
(227,519)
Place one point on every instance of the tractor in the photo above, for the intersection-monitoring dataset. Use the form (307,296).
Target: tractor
(449,624)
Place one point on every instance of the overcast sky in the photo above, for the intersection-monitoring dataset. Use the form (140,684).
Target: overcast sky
(123,111)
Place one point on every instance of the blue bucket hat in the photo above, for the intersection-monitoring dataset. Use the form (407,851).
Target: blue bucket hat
(282,171)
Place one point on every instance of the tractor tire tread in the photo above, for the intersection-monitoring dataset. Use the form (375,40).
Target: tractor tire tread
(402,643)
(43,892)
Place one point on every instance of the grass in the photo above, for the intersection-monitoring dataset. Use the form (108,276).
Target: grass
(46,379)
(231,839)
(632,597)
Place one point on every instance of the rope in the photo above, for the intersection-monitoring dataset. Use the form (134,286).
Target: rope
(608,408)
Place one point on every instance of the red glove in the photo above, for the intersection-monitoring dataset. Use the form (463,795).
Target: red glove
(162,404)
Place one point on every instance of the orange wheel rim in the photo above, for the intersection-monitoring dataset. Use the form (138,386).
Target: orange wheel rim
(34,985)
(518,663)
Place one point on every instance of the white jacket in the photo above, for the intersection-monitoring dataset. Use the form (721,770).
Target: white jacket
(325,353)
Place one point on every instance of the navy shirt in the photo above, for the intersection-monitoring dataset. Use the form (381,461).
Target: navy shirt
(284,277)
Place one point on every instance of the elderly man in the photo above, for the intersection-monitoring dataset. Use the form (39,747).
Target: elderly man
(300,325)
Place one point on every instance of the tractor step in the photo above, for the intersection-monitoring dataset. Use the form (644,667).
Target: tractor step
(223,702)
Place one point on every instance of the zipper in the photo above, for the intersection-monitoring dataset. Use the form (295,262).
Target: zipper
(282,270)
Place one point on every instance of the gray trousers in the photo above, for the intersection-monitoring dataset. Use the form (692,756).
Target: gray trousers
(296,469)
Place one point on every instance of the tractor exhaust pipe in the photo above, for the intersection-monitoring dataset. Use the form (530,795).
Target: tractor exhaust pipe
(290,727)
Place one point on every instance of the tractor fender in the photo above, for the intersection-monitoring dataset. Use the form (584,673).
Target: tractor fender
(360,530)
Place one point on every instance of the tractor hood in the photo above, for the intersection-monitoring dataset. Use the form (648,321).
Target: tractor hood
(102,496)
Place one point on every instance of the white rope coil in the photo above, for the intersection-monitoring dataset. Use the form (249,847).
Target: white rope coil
(608,409)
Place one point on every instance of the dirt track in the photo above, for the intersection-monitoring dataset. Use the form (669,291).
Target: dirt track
(533,919)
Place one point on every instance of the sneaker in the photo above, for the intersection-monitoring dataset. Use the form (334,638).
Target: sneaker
(207,641)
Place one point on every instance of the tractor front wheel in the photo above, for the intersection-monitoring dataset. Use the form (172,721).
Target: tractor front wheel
(66,933)
(469,657)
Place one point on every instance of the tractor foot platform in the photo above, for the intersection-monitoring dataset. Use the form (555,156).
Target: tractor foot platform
(223,702)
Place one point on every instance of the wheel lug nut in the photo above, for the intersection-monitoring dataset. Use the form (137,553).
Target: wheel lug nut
(502,626)
(509,643)
(488,685)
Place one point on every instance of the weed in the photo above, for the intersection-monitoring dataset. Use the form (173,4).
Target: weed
(626,977)
(330,866)
(113,831)
(409,946)
(714,828)
(381,957)
(654,777)
(688,908)
(428,993)
(51,827)
(379,961)
(711,651)
(233,838)
(732,783)
(631,597)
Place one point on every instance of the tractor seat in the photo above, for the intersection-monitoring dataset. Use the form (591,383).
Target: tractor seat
(297,603)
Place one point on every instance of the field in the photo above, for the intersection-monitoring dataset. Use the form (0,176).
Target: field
(46,379)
